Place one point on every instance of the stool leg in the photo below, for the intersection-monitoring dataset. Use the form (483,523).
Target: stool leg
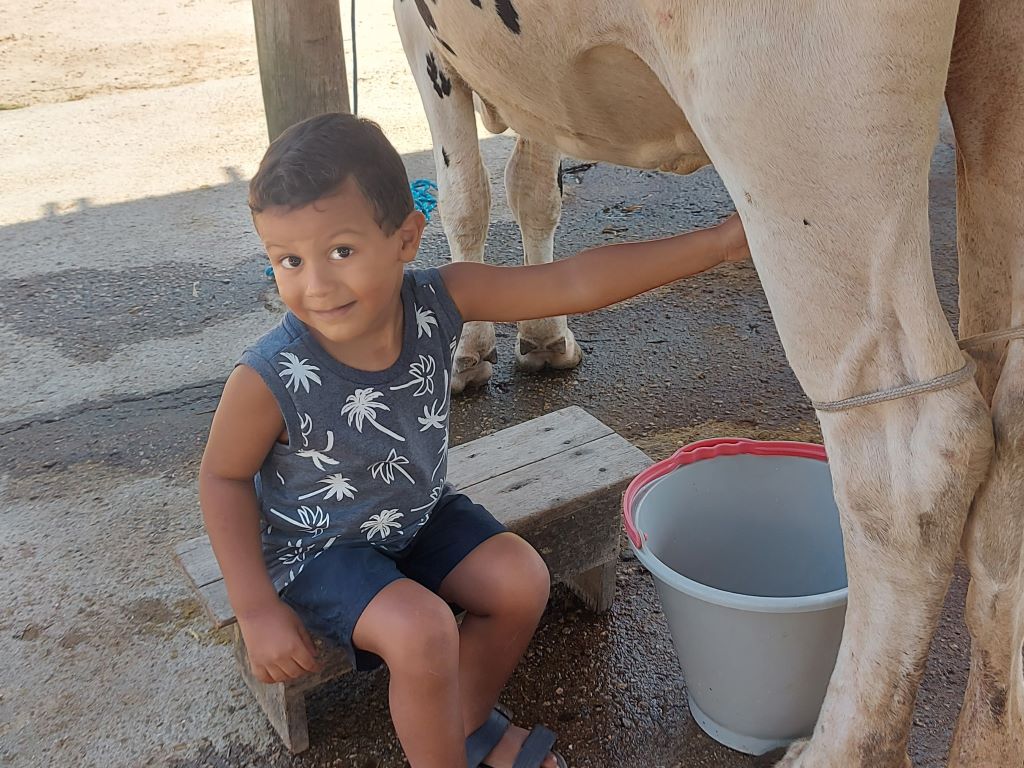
(595,587)
(283,703)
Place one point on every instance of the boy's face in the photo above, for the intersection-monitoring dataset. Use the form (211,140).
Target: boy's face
(335,268)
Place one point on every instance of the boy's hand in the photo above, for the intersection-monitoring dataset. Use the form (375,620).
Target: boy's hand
(733,239)
(279,647)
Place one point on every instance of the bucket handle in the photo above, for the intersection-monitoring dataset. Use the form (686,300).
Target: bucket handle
(708,449)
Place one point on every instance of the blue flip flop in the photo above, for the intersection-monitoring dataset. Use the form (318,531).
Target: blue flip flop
(533,752)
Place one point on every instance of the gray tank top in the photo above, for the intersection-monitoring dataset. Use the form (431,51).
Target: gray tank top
(367,452)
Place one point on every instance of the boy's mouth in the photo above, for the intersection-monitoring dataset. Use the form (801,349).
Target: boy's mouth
(335,313)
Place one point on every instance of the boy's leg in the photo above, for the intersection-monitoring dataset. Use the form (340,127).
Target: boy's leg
(468,558)
(503,585)
(414,631)
(357,598)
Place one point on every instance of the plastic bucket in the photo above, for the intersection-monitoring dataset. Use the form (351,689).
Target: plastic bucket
(743,540)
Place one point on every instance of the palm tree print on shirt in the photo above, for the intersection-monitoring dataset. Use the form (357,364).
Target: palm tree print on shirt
(360,406)
(435,416)
(424,319)
(422,372)
(432,417)
(386,469)
(320,457)
(308,520)
(336,485)
(382,523)
(291,553)
(435,494)
(443,449)
(299,372)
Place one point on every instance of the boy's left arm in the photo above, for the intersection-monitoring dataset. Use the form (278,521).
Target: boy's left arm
(591,279)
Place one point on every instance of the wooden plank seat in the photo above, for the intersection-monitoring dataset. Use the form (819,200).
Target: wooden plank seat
(555,480)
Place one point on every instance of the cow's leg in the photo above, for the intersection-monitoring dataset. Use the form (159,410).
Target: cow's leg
(824,142)
(464,192)
(532,184)
(985,93)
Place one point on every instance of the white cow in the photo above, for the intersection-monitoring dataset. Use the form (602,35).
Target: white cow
(820,118)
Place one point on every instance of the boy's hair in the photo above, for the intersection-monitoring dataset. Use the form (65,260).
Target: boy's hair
(313,158)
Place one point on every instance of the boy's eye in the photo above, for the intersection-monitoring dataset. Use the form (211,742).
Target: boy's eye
(290,262)
(341,252)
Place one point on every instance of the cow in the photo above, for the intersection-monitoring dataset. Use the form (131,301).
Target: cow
(820,119)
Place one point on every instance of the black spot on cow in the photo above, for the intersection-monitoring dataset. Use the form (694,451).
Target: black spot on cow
(561,189)
(442,85)
(807,223)
(428,17)
(508,14)
(444,156)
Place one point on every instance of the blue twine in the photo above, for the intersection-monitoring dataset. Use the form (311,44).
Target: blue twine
(422,197)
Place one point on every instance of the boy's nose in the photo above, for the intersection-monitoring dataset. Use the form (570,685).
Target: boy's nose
(318,282)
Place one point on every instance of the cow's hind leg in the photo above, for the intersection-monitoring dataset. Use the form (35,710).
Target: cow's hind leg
(531,180)
(464,192)
(985,93)
(824,142)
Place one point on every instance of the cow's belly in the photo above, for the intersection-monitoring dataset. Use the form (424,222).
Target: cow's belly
(590,93)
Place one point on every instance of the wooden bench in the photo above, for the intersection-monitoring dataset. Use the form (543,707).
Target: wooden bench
(556,481)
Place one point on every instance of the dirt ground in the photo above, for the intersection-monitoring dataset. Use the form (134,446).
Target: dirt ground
(133,281)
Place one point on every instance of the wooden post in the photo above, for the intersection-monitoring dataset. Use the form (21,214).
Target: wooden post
(302,60)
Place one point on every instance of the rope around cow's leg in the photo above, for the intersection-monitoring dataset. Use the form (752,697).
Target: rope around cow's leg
(992,337)
(919,388)
(895,393)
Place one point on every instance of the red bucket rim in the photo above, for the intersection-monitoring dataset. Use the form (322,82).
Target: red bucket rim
(709,449)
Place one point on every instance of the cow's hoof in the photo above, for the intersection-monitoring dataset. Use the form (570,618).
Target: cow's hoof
(560,353)
(782,757)
(471,371)
(803,754)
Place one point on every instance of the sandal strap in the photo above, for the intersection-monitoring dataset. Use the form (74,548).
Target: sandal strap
(536,748)
(481,742)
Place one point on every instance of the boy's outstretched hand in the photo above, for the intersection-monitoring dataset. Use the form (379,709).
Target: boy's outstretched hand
(279,647)
(733,238)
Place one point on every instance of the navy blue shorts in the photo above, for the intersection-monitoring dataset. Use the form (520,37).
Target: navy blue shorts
(334,588)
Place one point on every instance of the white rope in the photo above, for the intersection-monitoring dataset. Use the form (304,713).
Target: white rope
(991,337)
(933,385)
(906,390)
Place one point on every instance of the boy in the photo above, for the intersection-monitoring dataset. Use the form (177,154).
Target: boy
(341,416)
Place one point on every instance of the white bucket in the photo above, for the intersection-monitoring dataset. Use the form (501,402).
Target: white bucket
(743,540)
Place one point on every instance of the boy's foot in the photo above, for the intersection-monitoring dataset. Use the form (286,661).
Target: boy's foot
(505,752)
(499,744)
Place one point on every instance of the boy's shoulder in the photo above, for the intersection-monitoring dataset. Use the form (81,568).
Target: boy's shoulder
(287,336)
(429,289)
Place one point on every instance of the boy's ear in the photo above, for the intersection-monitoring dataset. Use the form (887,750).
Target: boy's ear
(410,232)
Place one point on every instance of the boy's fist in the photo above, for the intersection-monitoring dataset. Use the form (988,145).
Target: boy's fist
(733,239)
(279,647)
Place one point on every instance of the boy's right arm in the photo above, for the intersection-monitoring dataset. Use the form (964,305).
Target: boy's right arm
(245,427)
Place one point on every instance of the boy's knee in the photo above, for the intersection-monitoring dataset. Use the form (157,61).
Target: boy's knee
(426,632)
(527,590)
